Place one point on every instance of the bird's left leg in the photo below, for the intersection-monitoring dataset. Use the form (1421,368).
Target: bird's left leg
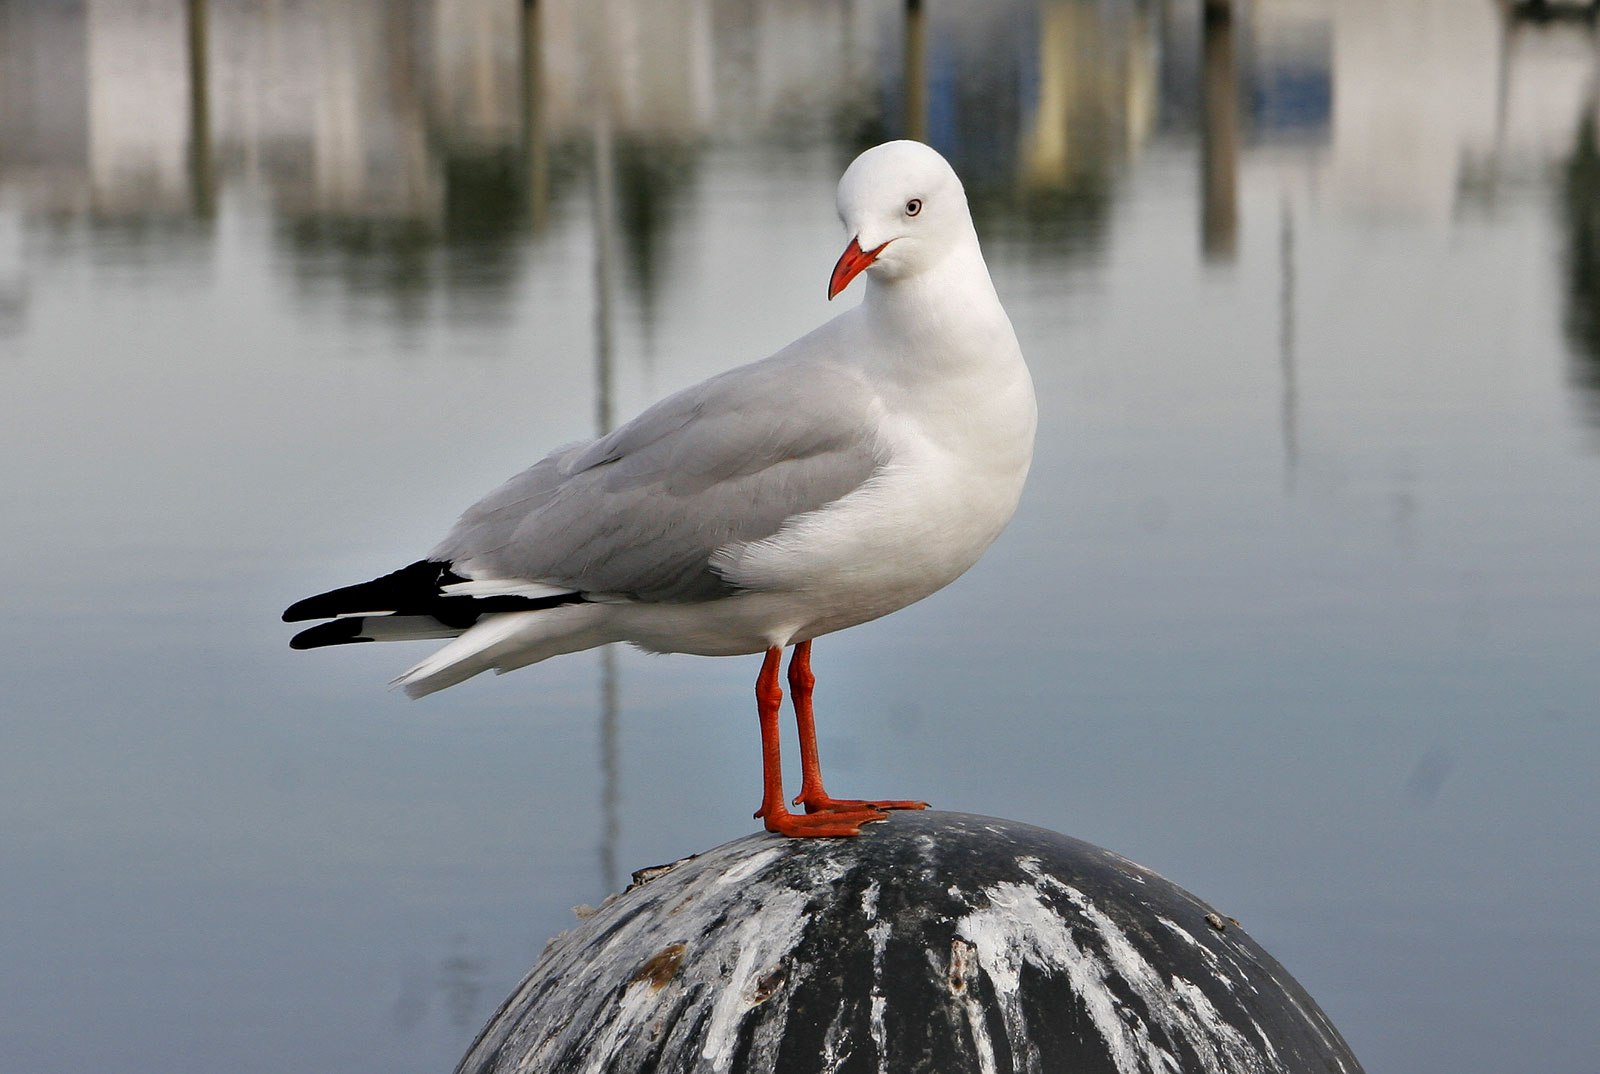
(812,794)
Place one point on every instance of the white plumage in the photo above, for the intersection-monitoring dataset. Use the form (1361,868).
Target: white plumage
(854,472)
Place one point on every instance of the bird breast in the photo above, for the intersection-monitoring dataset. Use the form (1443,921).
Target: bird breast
(944,494)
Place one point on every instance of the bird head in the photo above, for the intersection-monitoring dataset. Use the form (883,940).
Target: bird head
(904,209)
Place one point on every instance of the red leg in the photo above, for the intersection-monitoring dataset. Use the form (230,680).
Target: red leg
(812,794)
(769,700)
(801,683)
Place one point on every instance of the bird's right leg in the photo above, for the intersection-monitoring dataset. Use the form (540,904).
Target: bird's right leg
(773,811)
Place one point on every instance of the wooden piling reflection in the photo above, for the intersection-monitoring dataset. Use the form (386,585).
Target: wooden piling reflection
(535,155)
(1219,140)
(604,197)
(202,164)
(916,71)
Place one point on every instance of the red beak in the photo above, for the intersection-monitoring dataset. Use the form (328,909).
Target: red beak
(851,262)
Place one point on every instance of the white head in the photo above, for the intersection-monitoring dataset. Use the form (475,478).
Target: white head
(905,210)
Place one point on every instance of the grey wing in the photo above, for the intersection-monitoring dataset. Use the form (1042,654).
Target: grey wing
(639,513)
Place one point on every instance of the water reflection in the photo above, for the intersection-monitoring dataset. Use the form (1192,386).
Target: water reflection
(607,206)
(411,148)
(202,170)
(457,980)
(1547,107)
(423,178)
(914,81)
(1092,109)
(1428,777)
(535,154)
(1219,137)
(653,179)
(1289,408)
(1580,203)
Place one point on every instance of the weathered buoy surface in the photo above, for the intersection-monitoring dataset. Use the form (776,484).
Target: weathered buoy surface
(935,942)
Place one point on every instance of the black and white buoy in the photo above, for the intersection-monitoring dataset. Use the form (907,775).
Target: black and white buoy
(935,943)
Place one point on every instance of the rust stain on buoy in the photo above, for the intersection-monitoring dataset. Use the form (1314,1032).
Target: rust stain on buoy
(963,964)
(767,986)
(660,967)
(641,877)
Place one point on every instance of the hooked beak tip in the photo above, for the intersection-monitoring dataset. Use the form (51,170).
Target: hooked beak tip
(851,263)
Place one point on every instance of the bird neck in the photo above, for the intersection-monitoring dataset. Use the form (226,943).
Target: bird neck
(950,302)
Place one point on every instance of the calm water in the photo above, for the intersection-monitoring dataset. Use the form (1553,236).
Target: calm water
(1300,609)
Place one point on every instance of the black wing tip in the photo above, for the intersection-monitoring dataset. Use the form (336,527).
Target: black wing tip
(297,613)
(338,632)
(416,589)
(421,579)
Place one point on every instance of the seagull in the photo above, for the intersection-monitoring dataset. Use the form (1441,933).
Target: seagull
(856,471)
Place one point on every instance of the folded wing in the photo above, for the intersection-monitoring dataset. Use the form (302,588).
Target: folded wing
(634,516)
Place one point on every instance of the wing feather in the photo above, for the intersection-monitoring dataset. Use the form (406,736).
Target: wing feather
(642,511)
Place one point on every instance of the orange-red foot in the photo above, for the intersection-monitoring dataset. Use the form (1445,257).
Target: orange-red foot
(822,803)
(840,822)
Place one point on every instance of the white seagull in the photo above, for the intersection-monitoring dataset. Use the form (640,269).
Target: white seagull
(858,470)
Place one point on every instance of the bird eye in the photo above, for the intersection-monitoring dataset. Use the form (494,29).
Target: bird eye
(913,207)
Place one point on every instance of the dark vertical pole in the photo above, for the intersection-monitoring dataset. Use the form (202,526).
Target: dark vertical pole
(611,776)
(605,196)
(202,175)
(1219,140)
(1286,358)
(916,84)
(535,158)
(605,210)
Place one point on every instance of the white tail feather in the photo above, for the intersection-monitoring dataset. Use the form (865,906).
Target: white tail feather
(390,627)
(508,640)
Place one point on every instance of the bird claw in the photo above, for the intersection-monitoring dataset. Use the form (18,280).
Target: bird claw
(822,803)
(834,823)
